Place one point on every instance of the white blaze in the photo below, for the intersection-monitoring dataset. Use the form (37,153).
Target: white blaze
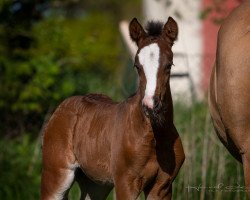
(149,59)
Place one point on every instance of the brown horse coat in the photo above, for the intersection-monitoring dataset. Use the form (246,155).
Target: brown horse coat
(229,96)
(132,145)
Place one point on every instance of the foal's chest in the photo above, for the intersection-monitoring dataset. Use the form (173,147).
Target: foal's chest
(143,158)
(150,169)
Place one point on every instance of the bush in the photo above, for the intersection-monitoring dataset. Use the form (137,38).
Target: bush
(68,57)
(20,168)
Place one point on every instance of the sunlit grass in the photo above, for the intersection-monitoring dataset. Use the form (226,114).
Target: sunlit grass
(208,163)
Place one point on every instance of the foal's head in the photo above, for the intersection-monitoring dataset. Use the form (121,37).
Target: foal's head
(153,60)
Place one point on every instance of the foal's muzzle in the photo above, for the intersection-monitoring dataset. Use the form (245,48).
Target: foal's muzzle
(151,107)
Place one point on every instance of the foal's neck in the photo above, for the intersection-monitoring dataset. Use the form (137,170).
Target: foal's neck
(160,121)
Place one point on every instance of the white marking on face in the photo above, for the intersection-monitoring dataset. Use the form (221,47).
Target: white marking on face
(149,58)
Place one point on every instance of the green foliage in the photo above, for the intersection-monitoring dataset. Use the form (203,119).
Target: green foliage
(87,50)
(68,57)
(20,176)
(205,13)
(72,48)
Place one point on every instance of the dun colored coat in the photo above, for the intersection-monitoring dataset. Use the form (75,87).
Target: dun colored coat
(229,97)
(132,145)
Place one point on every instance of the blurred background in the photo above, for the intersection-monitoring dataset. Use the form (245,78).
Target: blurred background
(50,50)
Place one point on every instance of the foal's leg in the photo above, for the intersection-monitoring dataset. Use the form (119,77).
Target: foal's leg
(161,189)
(56,183)
(128,188)
(57,176)
(59,162)
(90,189)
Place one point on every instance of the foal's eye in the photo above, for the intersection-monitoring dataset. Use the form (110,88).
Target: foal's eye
(136,66)
(169,65)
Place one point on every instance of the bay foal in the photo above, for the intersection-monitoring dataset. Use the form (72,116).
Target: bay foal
(132,146)
(229,95)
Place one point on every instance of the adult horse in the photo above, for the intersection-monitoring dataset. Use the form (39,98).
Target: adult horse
(132,145)
(229,95)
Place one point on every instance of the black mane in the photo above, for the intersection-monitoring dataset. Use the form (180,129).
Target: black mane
(154,28)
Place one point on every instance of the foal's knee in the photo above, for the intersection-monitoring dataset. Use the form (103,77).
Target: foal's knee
(181,157)
(179,152)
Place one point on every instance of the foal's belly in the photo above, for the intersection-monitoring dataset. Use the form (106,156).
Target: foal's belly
(94,159)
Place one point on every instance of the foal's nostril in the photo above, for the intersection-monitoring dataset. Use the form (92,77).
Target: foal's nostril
(157,104)
(145,110)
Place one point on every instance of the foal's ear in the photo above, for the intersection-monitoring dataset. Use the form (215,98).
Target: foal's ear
(136,31)
(170,29)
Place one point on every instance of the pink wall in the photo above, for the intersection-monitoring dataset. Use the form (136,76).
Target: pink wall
(209,33)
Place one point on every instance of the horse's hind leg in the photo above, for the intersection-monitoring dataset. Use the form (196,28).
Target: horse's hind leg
(90,189)
(59,162)
(246,167)
(57,177)
(56,183)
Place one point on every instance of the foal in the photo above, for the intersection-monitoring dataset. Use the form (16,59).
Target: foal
(132,146)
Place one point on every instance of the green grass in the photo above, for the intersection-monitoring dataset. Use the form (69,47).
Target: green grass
(19,169)
(207,163)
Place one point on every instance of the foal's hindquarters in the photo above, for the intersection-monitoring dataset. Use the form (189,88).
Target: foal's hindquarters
(62,159)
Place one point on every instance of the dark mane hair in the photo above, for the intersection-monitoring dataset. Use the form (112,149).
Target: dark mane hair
(154,28)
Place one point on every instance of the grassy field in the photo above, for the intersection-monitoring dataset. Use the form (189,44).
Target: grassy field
(209,171)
